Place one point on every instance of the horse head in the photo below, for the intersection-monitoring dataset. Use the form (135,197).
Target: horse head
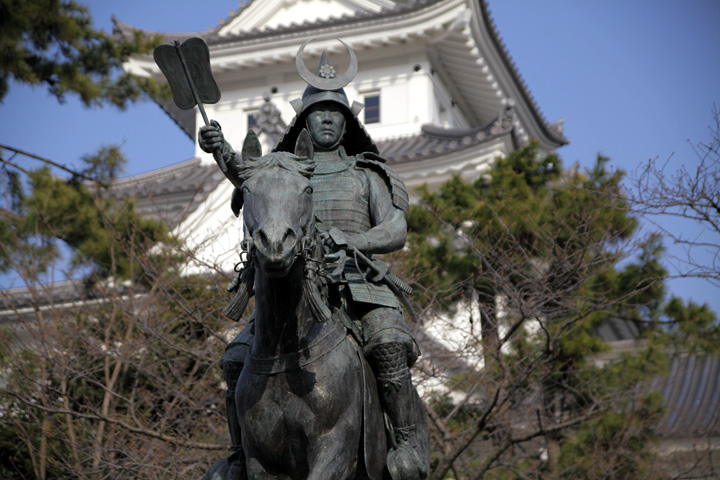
(278,214)
(277,197)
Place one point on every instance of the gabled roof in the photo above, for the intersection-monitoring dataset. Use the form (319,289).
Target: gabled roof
(268,13)
(618,330)
(214,36)
(269,121)
(13,300)
(455,46)
(553,130)
(218,35)
(174,192)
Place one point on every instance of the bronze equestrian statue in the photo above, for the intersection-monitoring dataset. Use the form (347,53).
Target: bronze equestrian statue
(359,209)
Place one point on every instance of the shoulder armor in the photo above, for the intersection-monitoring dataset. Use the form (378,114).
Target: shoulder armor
(397,187)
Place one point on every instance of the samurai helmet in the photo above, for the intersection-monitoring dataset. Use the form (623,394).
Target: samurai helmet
(325,85)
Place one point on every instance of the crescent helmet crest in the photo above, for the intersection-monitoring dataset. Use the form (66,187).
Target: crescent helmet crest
(326,78)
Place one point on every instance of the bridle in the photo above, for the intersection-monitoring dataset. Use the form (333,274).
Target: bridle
(315,279)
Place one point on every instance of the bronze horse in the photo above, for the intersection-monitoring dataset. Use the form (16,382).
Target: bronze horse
(306,398)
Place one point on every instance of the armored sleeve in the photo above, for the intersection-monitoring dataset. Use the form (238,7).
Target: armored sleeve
(397,188)
(388,209)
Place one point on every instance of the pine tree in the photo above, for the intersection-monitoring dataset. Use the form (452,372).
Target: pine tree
(53,43)
(77,214)
(119,379)
(543,256)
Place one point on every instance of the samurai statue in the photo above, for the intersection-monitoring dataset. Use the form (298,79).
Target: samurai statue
(361,206)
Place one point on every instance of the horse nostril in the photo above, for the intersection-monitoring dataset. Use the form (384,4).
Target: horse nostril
(264,241)
(289,239)
(276,241)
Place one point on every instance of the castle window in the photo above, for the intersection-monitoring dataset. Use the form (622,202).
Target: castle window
(251,120)
(372,108)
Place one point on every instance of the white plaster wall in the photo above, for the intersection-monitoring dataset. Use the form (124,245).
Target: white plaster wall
(212,233)
(408,98)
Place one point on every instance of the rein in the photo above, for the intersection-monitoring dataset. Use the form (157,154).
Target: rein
(315,292)
(293,361)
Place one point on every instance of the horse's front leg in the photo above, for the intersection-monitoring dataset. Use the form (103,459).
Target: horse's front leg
(336,466)
(337,456)
(255,471)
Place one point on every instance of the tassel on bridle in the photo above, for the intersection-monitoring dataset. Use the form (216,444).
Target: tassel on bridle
(318,305)
(243,285)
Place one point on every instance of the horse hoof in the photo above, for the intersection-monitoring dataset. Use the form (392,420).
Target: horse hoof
(404,463)
(218,471)
(226,469)
(236,471)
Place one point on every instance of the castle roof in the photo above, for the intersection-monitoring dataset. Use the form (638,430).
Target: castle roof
(464,44)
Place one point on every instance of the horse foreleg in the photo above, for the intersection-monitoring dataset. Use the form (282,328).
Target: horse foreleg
(255,471)
(336,458)
(334,467)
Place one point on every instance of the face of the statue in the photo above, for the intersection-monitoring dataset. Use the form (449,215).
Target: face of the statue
(326,124)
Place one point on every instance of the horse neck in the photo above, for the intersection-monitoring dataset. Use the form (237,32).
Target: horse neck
(284,322)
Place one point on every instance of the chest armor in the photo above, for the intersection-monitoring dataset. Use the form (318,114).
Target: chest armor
(340,195)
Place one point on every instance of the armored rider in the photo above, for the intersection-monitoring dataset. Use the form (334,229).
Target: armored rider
(360,204)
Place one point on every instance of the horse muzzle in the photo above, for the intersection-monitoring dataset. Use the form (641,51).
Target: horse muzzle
(276,249)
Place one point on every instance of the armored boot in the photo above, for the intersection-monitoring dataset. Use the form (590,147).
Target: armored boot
(396,395)
(236,460)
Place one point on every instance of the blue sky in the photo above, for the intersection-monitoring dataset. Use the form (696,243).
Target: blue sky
(632,80)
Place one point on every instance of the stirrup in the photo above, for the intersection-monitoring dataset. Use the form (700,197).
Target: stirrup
(236,467)
(403,460)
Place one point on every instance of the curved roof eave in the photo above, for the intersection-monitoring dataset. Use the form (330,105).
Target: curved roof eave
(434,141)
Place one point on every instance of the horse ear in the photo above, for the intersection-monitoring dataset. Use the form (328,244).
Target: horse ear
(304,146)
(251,146)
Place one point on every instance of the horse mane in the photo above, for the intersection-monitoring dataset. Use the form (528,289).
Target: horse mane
(286,160)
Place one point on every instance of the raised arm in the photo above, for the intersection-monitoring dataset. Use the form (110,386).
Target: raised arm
(211,140)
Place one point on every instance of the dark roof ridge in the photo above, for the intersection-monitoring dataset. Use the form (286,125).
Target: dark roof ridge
(123,29)
(159,172)
(345,19)
(244,5)
(234,13)
(433,141)
(58,293)
(432,130)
